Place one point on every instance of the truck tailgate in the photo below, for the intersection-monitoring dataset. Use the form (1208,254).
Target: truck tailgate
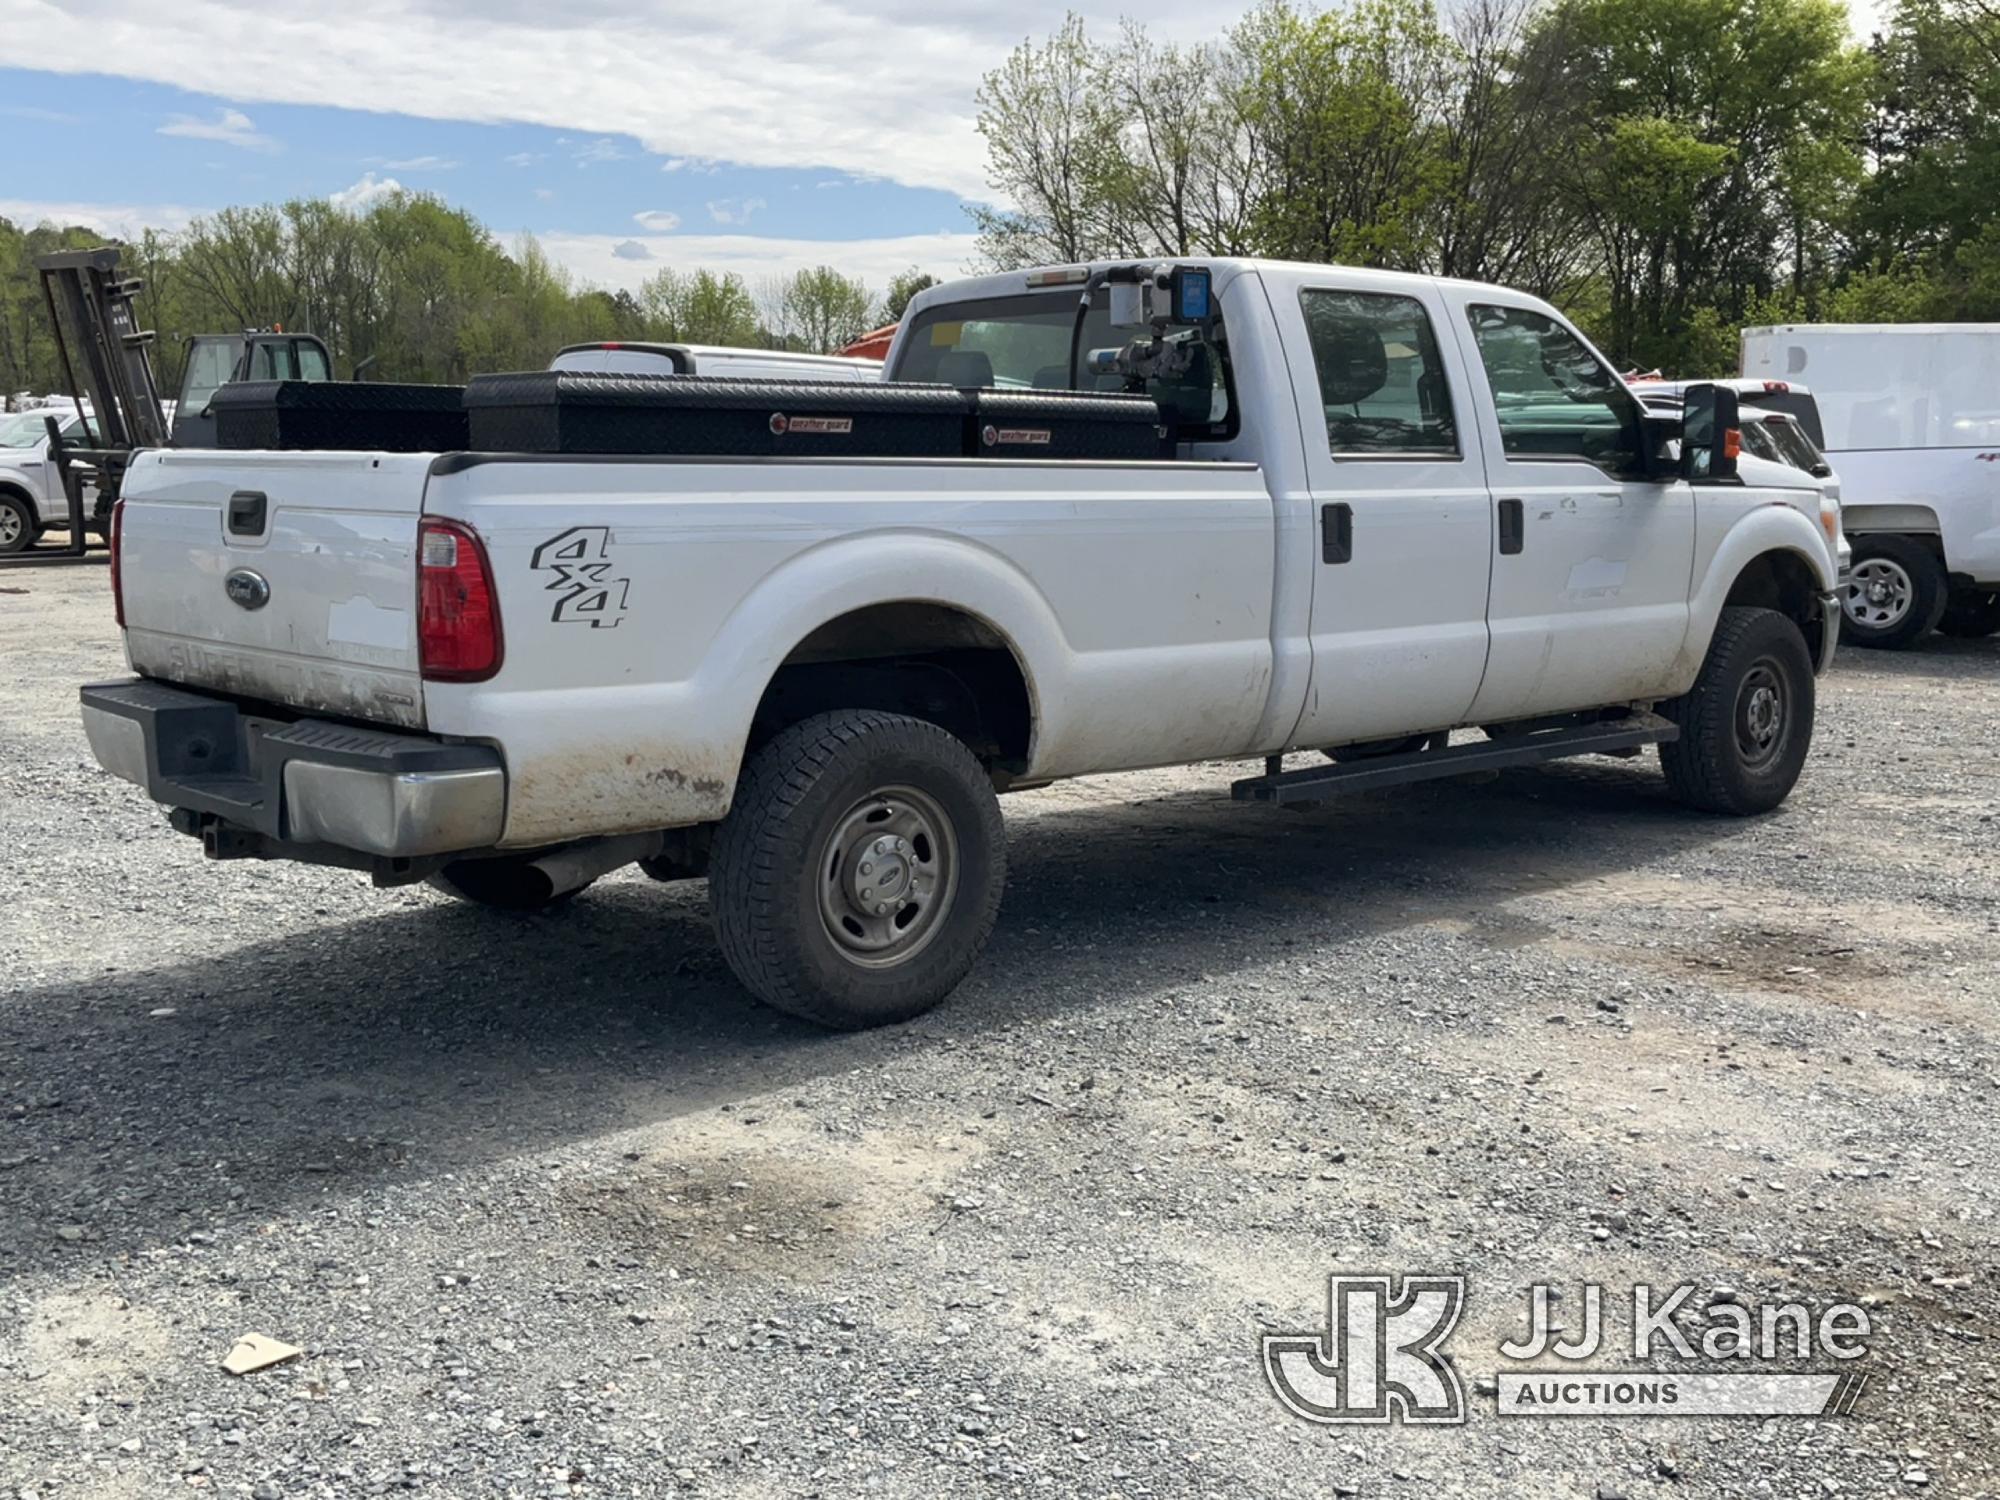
(285,577)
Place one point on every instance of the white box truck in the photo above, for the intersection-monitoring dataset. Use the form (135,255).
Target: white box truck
(1911,421)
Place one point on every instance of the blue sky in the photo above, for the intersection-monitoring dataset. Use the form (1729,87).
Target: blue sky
(136,143)
(624,134)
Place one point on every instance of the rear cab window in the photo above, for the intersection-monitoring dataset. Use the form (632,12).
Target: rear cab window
(1023,343)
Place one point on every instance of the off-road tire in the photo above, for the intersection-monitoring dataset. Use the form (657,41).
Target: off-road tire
(1718,763)
(501,884)
(1928,592)
(769,869)
(1971,613)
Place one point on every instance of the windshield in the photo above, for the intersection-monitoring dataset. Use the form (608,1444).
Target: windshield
(23,429)
(1023,343)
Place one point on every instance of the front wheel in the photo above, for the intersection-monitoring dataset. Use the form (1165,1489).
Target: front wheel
(859,872)
(1895,593)
(1746,724)
(1971,613)
(17,525)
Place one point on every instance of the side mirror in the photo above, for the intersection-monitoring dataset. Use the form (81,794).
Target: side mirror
(1711,434)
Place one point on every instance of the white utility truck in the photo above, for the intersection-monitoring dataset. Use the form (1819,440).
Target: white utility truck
(1910,417)
(796,637)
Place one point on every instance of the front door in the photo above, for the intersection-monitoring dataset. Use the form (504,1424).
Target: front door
(1592,559)
(1404,536)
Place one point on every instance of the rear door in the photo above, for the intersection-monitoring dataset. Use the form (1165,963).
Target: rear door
(1591,559)
(286,578)
(1404,532)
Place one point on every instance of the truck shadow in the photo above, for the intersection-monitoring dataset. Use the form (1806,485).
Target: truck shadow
(1933,656)
(440,1038)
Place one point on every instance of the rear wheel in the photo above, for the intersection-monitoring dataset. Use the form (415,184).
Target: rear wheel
(17,525)
(503,884)
(1971,613)
(1746,724)
(859,873)
(1895,593)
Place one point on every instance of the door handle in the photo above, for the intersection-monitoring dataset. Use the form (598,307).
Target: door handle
(1513,527)
(247,509)
(1336,533)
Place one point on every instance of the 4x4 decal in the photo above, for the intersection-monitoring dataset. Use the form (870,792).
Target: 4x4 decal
(580,559)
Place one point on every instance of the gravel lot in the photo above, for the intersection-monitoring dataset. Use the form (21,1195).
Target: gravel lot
(554,1209)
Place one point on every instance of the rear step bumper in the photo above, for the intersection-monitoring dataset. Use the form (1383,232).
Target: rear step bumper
(305,781)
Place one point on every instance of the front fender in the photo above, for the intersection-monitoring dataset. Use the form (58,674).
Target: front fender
(1776,527)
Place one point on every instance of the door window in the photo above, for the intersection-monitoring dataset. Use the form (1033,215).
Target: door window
(1381,382)
(309,361)
(1555,399)
(211,363)
(272,360)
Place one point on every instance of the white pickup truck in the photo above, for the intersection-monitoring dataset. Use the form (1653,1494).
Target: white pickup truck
(31,487)
(1391,506)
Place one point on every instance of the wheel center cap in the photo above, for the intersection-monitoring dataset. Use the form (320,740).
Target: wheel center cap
(882,873)
(1763,713)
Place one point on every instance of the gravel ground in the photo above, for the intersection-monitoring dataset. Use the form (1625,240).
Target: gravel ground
(554,1209)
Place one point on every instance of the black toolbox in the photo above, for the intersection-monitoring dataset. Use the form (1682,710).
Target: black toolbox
(575,411)
(1063,424)
(369,416)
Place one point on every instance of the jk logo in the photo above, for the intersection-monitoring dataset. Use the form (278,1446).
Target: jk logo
(586,592)
(1377,1359)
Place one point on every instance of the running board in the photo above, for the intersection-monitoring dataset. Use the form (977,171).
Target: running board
(1318,783)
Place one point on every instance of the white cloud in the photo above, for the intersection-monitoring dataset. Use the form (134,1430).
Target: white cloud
(230,127)
(733,210)
(422,164)
(358,196)
(596,258)
(884,87)
(118,221)
(631,250)
(657,219)
(525,158)
(547,195)
(602,150)
(674,164)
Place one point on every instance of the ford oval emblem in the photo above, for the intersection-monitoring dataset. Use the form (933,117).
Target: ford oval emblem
(247,588)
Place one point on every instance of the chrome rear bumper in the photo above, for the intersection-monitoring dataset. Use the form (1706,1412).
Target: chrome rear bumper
(303,781)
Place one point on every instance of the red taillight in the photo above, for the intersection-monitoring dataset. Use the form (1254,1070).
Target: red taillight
(117,570)
(1777,387)
(458,614)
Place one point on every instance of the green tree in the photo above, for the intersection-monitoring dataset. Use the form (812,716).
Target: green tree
(821,311)
(1709,147)
(903,288)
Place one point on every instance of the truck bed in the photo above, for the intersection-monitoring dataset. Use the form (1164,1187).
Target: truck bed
(647,602)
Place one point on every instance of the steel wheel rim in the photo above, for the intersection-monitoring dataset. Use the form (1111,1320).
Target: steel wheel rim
(1879,593)
(887,874)
(10,526)
(1763,711)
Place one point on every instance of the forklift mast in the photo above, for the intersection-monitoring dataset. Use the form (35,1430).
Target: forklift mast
(92,305)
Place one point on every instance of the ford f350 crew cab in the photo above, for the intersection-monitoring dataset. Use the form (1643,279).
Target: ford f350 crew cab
(1379,508)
